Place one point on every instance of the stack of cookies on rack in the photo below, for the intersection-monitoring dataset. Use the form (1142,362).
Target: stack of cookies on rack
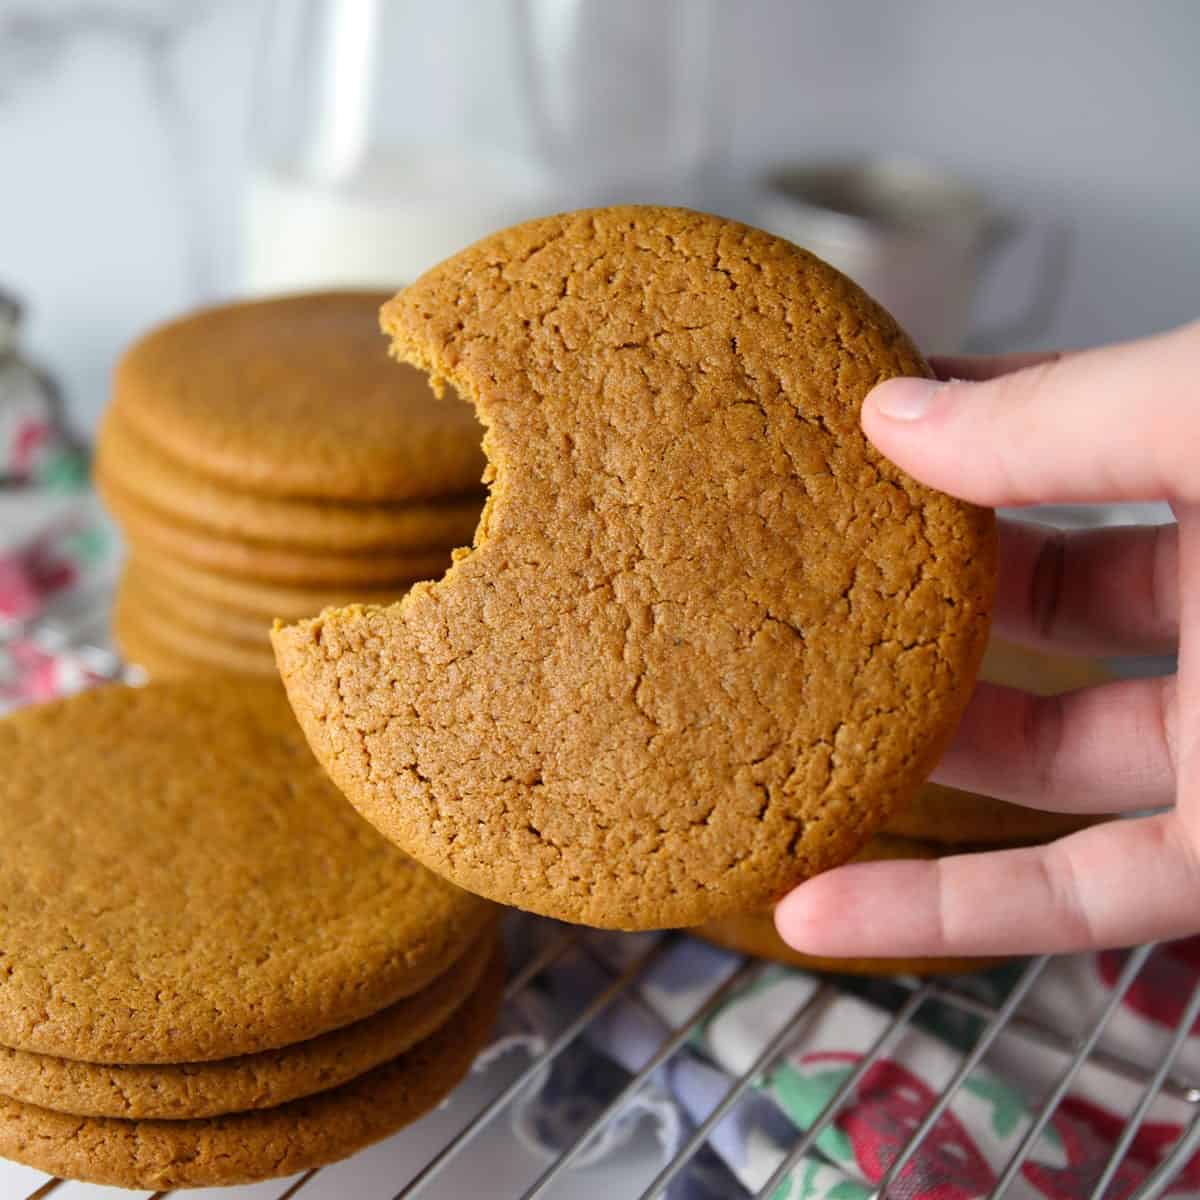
(213,970)
(265,460)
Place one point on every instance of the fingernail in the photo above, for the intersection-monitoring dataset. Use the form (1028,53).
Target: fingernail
(904,399)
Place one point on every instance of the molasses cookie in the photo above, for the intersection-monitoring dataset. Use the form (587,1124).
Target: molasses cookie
(708,640)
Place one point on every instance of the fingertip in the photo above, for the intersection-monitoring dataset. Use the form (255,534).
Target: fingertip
(903,400)
(809,917)
(790,917)
(924,426)
(898,416)
(863,909)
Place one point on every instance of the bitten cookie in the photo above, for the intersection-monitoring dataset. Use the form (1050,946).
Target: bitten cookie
(708,639)
(179,881)
(245,1147)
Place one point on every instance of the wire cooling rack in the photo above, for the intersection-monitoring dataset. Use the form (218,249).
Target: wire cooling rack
(477,1121)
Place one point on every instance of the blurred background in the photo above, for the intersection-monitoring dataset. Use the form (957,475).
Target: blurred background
(1004,176)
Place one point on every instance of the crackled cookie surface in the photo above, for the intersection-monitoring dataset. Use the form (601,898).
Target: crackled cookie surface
(707,639)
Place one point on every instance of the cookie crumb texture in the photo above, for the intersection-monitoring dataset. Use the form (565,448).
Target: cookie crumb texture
(707,639)
(180,882)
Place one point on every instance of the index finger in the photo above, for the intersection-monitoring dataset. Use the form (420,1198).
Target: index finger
(1116,423)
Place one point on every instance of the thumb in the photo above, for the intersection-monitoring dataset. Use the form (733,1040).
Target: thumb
(1119,423)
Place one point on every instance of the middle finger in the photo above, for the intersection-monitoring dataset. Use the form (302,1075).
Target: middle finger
(1096,591)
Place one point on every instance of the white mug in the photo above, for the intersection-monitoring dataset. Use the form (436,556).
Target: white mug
(915,238)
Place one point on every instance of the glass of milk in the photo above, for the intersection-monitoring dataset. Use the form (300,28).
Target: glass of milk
(388,134)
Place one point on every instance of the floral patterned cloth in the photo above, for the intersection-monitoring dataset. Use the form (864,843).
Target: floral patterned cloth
(54,588)
(35,447)
(967,1149)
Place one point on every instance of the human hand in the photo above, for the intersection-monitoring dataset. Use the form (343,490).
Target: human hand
(1118,423)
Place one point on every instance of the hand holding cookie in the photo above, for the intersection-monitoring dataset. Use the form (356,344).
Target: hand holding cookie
(1109,424)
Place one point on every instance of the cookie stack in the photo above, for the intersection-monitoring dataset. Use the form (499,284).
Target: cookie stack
(265,460)
(213,970)
(938,822)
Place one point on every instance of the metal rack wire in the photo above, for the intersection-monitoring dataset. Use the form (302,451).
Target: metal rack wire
(991,1020)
